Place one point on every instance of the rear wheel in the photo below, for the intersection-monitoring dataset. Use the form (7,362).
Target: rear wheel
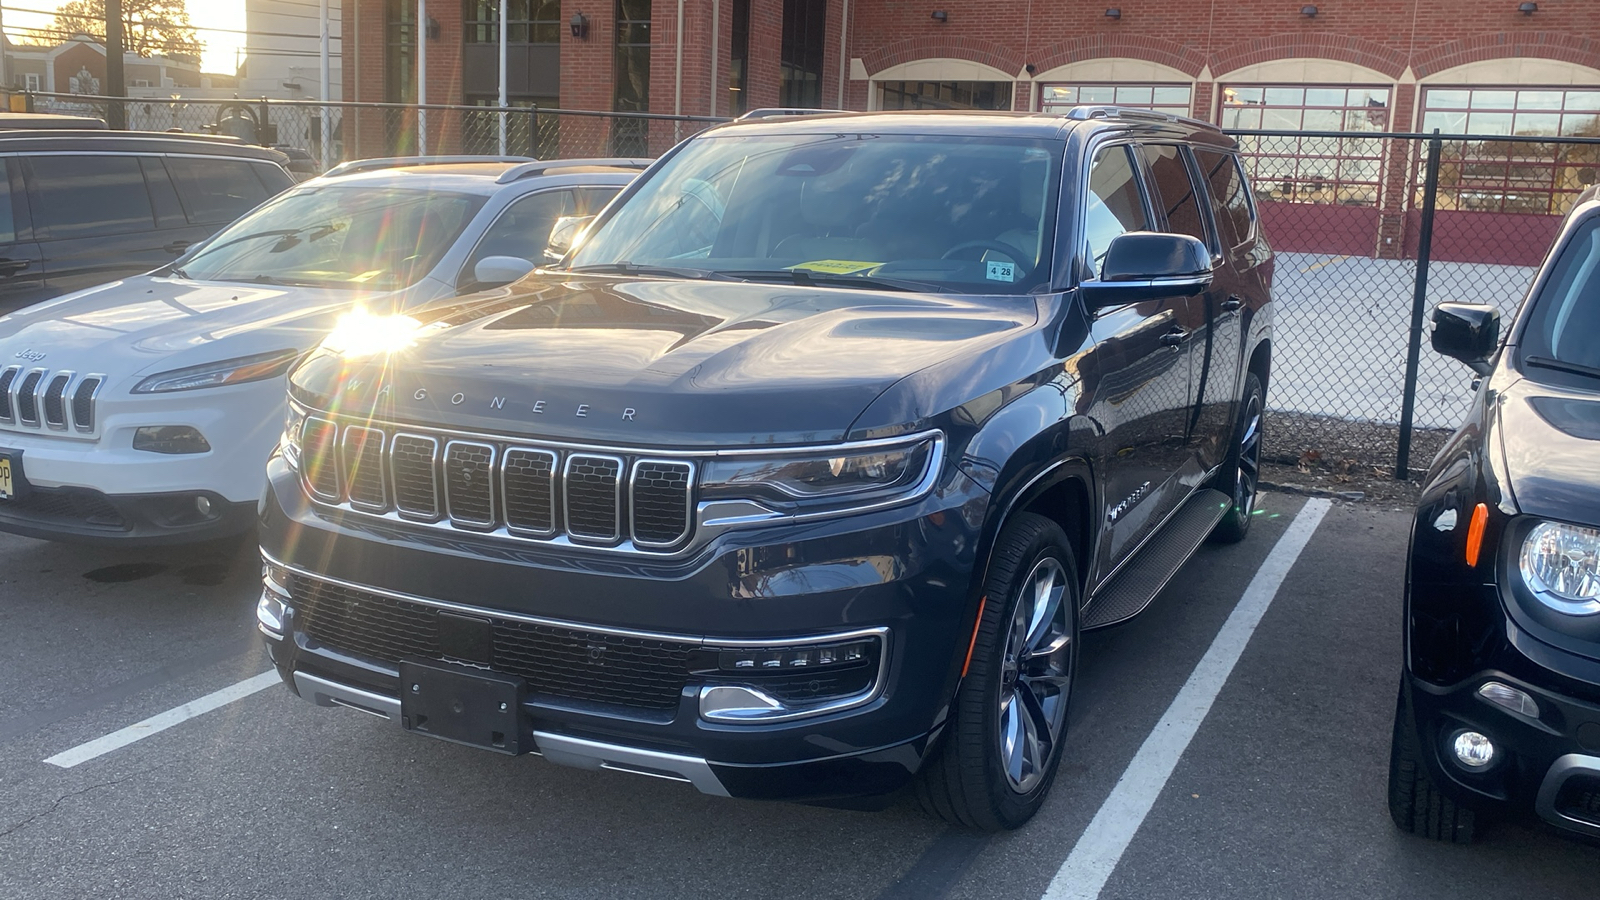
(1240,475)
(1415,801)
(1002,746)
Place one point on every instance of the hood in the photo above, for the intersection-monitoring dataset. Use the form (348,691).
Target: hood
(1551,439)
(154,323)
(638,361)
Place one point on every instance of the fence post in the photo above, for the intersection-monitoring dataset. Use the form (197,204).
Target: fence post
(1419,304)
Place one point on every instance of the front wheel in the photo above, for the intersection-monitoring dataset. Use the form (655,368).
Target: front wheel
(1001,748)
(1240,475)
(1415,802)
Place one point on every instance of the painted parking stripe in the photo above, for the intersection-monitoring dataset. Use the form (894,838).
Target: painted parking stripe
(1102,844)
(160,722)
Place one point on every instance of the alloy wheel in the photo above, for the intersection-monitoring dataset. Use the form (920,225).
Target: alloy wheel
(1036,675)
(1249,469)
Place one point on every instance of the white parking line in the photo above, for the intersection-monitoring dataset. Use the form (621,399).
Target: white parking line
(160,722)
(1102,844)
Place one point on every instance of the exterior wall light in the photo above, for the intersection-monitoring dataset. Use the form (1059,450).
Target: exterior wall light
(1113,13)
(1308,11)
(940,15)
(579,23)
(433,29)
(1528,8)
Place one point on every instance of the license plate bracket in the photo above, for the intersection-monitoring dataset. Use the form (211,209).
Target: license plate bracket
(12,482)
(478,709)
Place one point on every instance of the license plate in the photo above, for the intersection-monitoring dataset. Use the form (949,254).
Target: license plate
(6,490)
(471,708)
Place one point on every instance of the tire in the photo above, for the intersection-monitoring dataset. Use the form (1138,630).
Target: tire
(1415,802)
(1018,685)
(1240,475)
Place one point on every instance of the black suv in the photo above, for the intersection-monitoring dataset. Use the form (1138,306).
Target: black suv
(801,476)
(80,208)
(1499,708)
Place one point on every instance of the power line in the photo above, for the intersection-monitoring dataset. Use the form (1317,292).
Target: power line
(164,26)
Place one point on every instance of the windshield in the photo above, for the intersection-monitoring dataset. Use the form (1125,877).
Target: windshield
(338,236)
(1559,342)
(971,215)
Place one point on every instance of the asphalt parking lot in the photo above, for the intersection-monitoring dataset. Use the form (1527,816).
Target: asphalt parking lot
(1279,793)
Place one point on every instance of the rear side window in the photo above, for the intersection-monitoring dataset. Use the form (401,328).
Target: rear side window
(1114,204)
(83,196)
(215,191)
(1230,202)
(274,178)
(1173,193)
(523,229)
(8,227)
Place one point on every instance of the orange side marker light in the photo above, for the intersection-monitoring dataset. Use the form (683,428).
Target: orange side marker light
(1480,521)
(982,601)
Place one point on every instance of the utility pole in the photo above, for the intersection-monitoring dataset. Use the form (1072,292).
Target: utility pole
(326,132)
(4,81)
(115,87)
(503,95)
(421,31)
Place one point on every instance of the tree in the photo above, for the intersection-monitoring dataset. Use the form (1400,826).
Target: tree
(149,26)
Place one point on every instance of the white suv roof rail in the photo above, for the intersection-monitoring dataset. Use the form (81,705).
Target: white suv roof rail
(534,168)
(393,162)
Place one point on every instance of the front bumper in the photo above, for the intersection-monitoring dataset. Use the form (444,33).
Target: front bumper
(906,572)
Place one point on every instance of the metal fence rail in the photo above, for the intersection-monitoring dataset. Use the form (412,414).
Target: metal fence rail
(1371,230)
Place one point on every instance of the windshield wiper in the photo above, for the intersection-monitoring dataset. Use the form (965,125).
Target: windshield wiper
(628,268)
(1558,365)
(807,278)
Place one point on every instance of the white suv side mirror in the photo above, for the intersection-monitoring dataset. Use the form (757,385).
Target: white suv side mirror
(493,271)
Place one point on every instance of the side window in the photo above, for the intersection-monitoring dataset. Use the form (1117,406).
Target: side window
(1230,203)
(592,200)
(1172,191)
(83,196)
(8,226)
(523,228)
(273,178)
(215,191)
(1114,205)
(169,214)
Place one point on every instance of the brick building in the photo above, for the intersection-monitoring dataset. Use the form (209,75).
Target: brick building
(1479,66)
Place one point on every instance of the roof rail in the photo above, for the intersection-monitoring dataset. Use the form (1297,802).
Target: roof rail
(1084,113)
(534,168)
(773,112)
(392,162)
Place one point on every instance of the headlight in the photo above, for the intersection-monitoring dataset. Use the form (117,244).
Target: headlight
(228,371)
(362,333)
(1561,565)
(293,423)
(851,474)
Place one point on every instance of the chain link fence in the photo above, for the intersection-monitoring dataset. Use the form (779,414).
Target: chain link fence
(1371,229)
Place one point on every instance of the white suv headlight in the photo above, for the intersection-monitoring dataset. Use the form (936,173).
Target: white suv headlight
(1560,564)
(227,371)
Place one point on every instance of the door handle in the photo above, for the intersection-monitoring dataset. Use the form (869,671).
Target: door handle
(9,267)
(177,247)
(1174,338)
(1231,304)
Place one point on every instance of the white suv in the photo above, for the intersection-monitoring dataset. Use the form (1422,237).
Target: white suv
(144,410)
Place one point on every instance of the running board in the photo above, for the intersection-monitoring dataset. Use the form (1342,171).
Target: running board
(1141,578)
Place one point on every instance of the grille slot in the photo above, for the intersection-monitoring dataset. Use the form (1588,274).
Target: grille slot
(661,505)
(318,443)
(363,466)
(7,378)
(412,461)
(528,480)
(82,401)
(28,398)
(469,484)
(593,498)
(55,406)
(560,662)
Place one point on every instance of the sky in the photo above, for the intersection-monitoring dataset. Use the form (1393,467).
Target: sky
(223,47)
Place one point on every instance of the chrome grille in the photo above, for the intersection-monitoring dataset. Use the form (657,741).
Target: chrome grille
(484,485)
(39,398)
(82,401)
(28,398)
(594,498)
(55,406)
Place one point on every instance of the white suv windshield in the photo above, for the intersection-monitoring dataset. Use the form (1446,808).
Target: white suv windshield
(341,237)
(972,215)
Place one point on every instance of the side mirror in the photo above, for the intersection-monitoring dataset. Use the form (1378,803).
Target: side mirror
(1141,265)
(1469,332)
(564,235)
(493,271)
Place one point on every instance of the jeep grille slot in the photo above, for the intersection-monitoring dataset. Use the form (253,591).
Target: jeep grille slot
(318,443)
(594,502)
(82,401)
(529,482)
(363,466)
(416,480)
(7,378)
(469,484)
(55,406)
(661,501)
(27,398)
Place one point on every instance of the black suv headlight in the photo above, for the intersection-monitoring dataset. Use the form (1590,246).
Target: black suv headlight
(294,422)
(840,478)
(1560,566)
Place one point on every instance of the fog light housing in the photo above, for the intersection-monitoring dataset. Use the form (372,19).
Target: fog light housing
(170,439)
(1508,697)
(771,681)
(822,656)
(271,612)
(1473,750)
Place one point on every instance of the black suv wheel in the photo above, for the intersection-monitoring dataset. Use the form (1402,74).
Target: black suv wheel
(1415,802)
(1240,475)
(1002,746)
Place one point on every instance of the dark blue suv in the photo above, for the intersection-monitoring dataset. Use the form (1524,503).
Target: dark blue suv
(802,473)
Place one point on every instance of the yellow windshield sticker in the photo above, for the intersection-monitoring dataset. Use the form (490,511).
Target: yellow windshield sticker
(838,266)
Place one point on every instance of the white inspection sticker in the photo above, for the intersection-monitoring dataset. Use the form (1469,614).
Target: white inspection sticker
(1002,271)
